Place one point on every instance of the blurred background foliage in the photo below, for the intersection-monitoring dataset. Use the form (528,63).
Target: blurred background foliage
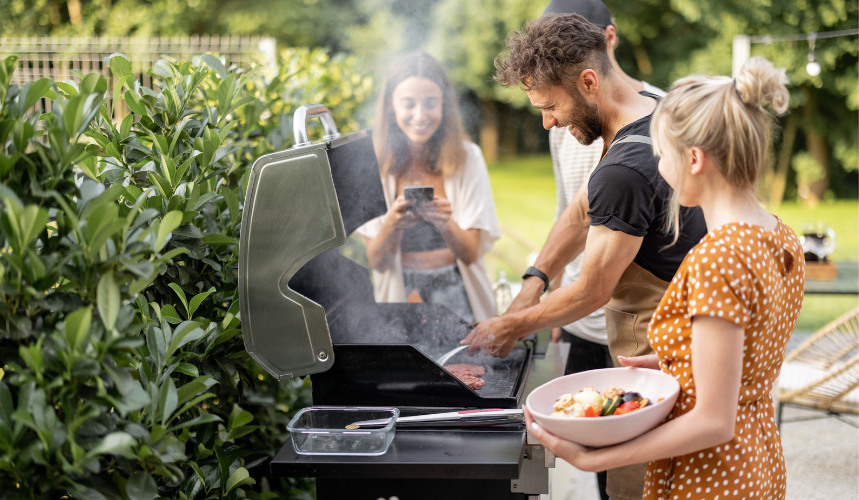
(661,40)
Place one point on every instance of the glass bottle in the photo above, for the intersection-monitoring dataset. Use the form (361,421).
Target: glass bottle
(503,294)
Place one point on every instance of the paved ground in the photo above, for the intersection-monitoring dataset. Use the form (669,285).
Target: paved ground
(822,458)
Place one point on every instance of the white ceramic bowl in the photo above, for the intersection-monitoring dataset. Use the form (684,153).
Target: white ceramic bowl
(605,431)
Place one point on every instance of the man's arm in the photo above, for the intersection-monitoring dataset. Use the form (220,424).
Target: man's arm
(565,242)
(607,255)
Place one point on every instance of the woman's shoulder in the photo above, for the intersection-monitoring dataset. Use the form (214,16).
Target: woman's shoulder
(472,150)
(474,161)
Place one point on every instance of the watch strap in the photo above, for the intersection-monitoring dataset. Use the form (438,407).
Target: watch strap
(533,271)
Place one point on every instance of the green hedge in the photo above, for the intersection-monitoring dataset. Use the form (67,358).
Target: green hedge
(124,374)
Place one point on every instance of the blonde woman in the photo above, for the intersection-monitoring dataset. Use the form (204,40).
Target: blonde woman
(723,324)
(431,251)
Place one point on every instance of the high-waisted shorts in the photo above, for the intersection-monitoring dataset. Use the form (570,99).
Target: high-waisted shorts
(443,286)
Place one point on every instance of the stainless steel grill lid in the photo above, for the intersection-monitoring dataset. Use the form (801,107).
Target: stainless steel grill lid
(300,203)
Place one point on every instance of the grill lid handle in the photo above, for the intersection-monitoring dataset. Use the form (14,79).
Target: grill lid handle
(299,123)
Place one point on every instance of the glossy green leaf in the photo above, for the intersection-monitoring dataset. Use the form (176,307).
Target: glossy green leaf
(187,331)
(169,399)
(93,83)
(116,443)
(108,300)
(119,64)
(169,223)
(141,486)
(188,369)
(239,417)
(181,294)
(233,205)
(132,100)
(216,64)
(241,477)
(169,313)
(69,87)
(197,300)
(219,239)
(117,91)
(77,326)
(36,91)
(125,126)
(194,388)
(32,222)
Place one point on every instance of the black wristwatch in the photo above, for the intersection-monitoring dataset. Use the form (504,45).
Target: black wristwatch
(533,271)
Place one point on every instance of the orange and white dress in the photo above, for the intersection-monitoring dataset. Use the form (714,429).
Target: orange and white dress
(754,278)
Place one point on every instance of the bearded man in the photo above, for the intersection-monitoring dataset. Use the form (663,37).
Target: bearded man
(629,259)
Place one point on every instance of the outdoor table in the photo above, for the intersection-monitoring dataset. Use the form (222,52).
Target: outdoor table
(846,283)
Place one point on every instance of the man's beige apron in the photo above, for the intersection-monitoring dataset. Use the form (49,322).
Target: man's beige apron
(627,316)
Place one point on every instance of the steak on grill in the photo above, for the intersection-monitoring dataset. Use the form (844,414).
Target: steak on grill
(472,382)
(458,369)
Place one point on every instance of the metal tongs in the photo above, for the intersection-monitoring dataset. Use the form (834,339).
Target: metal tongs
(442,360)
(492,416)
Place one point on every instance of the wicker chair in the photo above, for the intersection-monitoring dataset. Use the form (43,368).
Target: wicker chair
(823,371)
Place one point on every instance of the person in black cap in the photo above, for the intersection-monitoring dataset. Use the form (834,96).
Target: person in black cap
(596,12)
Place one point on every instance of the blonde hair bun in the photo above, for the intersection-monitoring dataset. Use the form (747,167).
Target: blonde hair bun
(760,83)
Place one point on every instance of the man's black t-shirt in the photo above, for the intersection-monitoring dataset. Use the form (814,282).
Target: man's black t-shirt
(627,194)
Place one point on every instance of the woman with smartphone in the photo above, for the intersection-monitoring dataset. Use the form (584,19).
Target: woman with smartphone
(441,214)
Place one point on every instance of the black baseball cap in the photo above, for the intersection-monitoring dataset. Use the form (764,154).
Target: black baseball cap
(593,10)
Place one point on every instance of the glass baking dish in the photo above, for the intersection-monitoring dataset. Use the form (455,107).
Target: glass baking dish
(321,430)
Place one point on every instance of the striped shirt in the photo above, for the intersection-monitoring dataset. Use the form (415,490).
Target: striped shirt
(572,163)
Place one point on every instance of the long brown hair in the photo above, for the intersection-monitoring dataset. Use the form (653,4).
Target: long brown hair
(445,148)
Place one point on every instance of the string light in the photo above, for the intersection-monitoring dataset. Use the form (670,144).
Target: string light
(742,46)
(813,67)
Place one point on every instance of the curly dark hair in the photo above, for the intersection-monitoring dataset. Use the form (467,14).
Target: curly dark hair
(552,51)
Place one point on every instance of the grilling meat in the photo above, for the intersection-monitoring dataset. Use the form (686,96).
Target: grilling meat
(458,369)
(472,382)
(468,374)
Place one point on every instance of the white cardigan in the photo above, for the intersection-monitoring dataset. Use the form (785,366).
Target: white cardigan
(473,207)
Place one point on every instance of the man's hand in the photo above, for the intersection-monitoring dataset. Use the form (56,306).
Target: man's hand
(495,336)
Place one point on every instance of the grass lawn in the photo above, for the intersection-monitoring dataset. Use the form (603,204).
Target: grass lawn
(524,190)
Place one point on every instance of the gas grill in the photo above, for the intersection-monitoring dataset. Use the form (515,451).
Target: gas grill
(308,310)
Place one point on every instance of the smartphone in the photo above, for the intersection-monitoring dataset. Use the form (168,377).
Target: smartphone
(419,194)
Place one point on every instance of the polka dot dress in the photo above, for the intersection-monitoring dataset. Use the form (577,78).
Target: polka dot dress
(754,278)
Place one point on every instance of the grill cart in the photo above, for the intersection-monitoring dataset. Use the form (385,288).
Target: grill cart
(309,311)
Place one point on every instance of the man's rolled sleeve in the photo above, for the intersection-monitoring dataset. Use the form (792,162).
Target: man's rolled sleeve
(621,199)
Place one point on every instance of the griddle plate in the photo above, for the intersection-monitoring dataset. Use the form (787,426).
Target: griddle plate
(501,373)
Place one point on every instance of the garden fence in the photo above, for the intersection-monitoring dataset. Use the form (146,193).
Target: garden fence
(56,57)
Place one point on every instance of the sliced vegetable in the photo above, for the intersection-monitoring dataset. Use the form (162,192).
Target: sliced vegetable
(590,412)
(631,396)
(629,406)
(610,406)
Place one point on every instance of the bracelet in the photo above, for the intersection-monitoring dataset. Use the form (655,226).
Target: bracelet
(533,271)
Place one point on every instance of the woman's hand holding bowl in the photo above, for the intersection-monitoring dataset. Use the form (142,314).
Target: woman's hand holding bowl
(575,454)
